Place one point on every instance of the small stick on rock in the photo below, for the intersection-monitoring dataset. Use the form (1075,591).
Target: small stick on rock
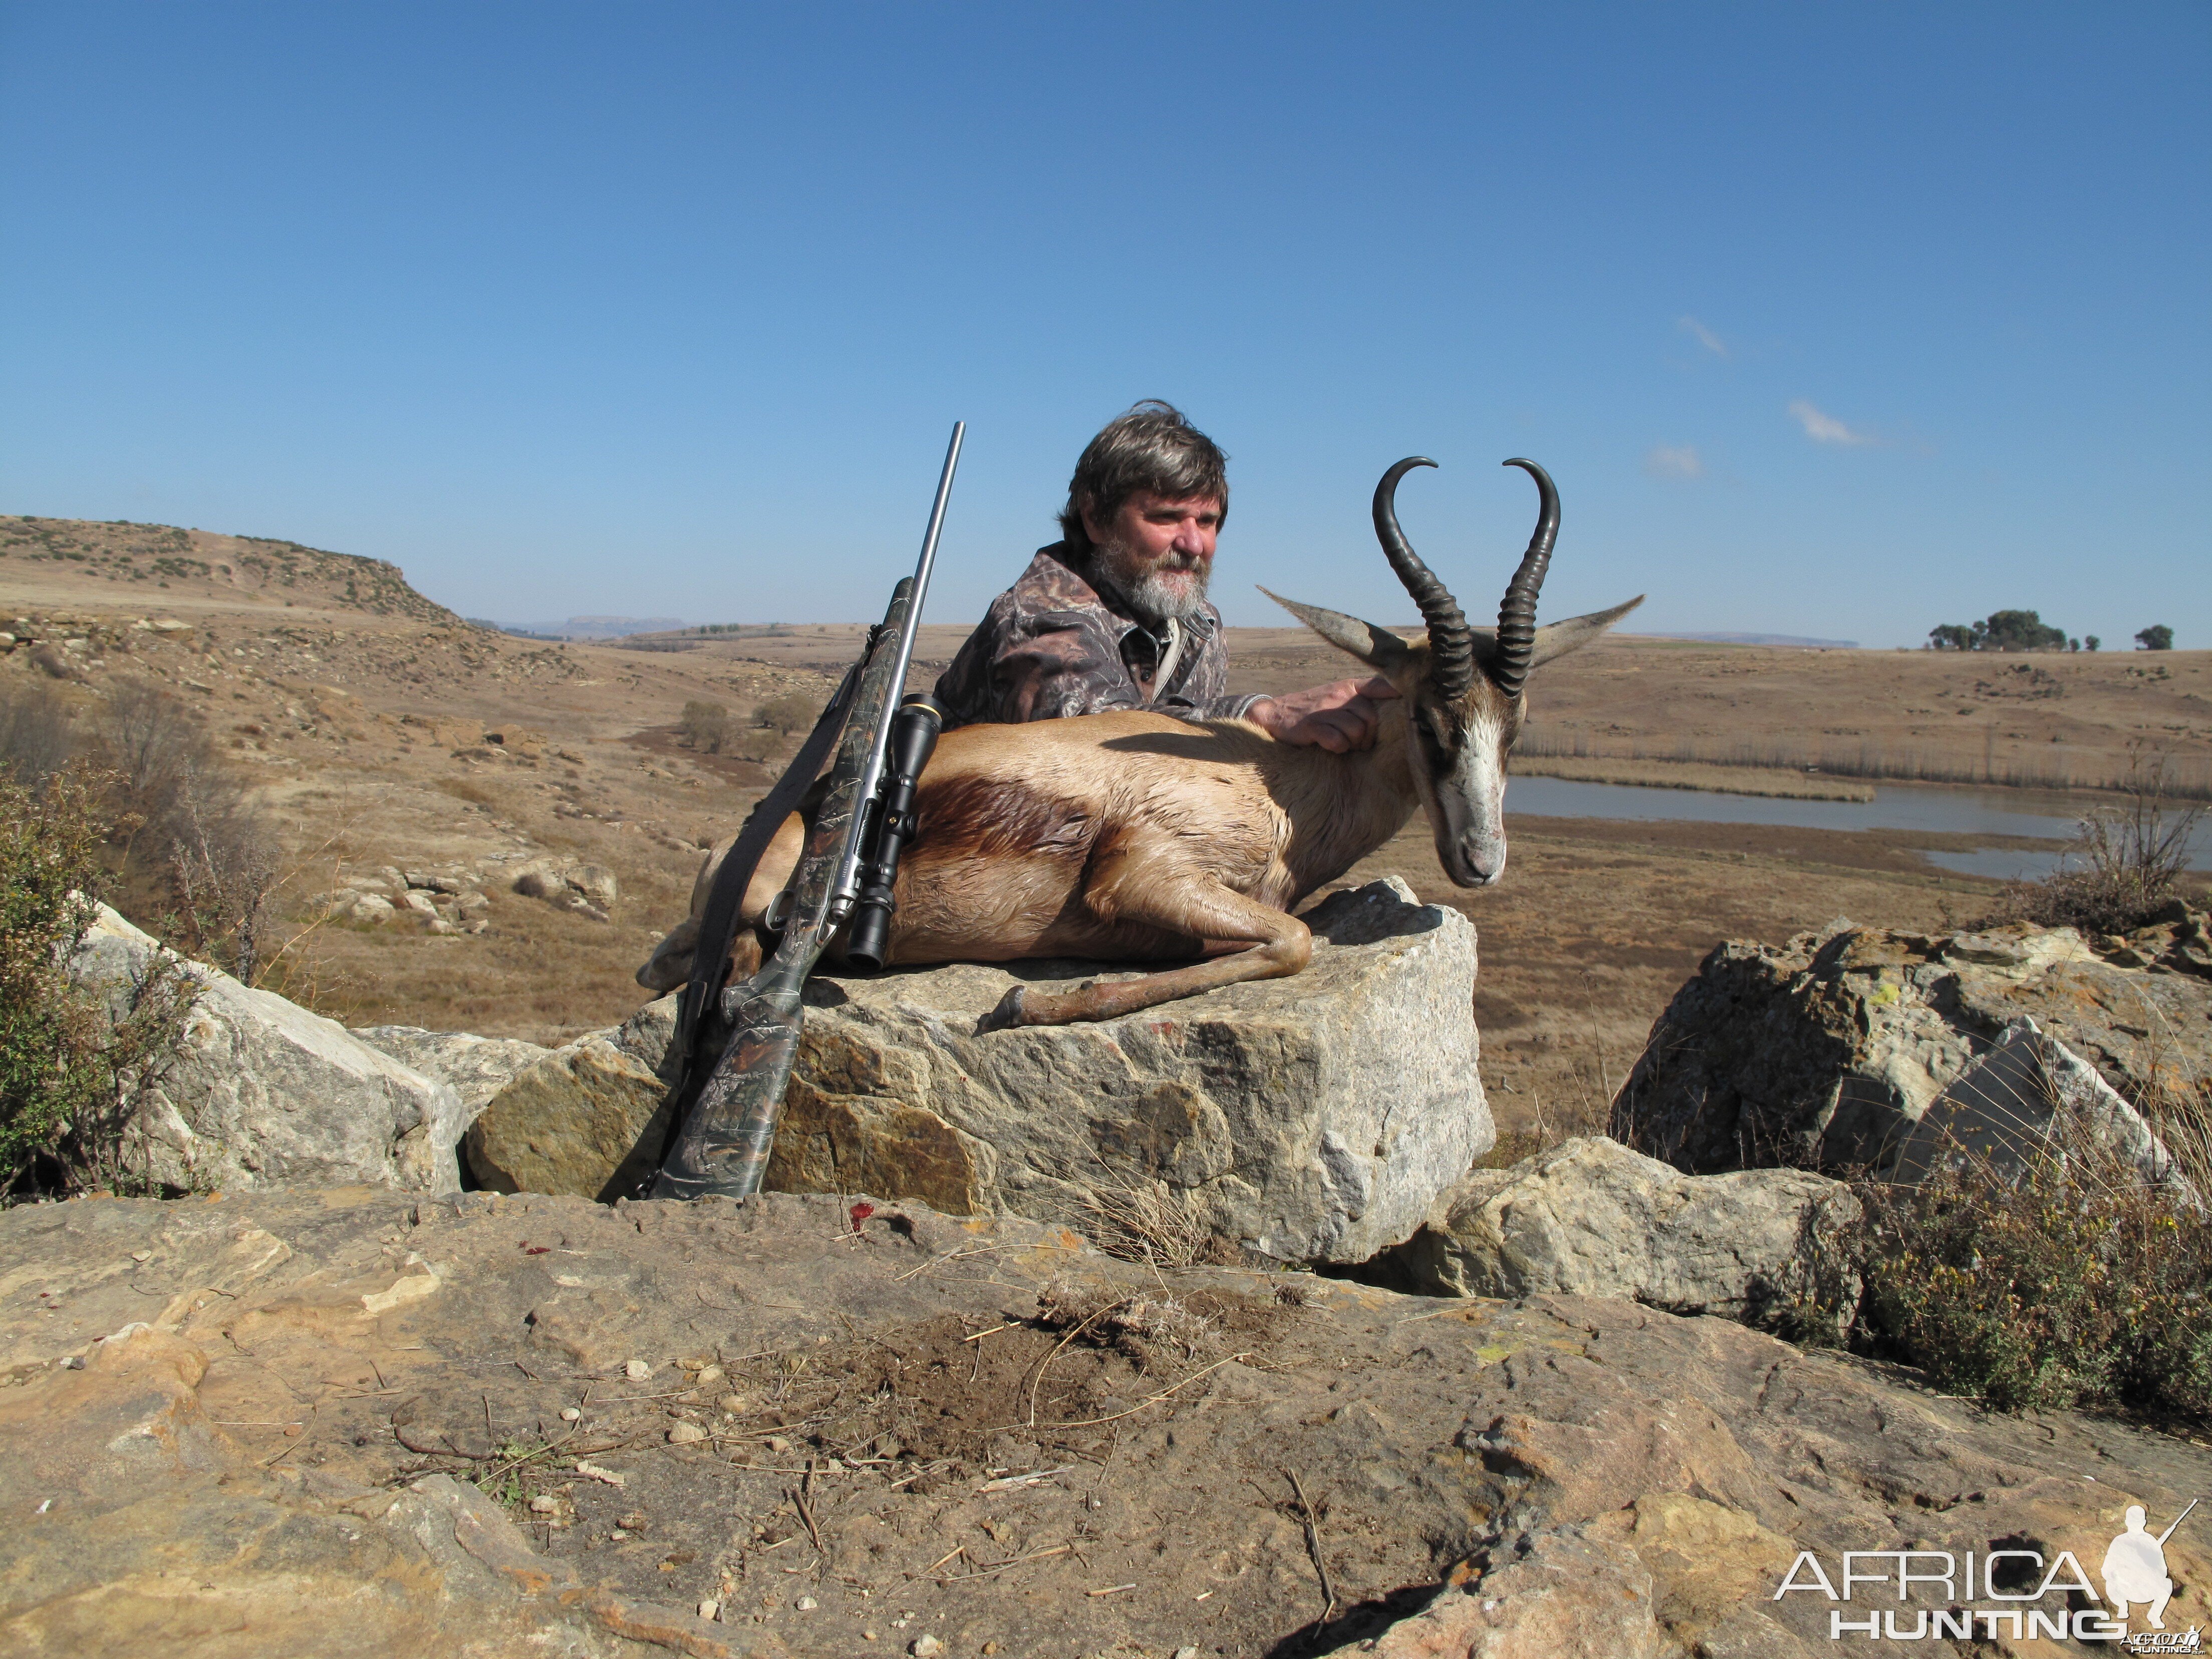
(1313,1547)
(806,1514)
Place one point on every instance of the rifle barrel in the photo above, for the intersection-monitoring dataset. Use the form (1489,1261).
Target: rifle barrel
(847,888)
(2178,1520)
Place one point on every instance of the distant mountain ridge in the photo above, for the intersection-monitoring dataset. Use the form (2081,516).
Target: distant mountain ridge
(1759,639)
(596,628)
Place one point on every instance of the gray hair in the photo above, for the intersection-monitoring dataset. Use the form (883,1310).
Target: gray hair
(1150,447)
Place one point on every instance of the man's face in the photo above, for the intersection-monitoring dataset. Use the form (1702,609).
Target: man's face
(1158,552)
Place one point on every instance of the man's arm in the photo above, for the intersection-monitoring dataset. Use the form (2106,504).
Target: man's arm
(1236,708)
(1339,717)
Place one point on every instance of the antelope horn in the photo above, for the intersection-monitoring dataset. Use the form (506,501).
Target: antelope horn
(1517,615)
(1451,642)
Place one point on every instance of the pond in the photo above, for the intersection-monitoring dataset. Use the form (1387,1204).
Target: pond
(1929,807)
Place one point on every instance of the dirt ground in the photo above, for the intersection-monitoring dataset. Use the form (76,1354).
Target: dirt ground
(383,730)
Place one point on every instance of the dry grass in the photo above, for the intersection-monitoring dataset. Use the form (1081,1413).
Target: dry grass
(2192,778)
(1770,782)
(2039,720)
(1139,1217)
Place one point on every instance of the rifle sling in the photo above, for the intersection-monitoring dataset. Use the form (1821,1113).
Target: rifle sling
(718,927)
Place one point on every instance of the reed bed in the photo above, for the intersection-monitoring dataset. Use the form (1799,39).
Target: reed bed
(2189,777)
(1770,782)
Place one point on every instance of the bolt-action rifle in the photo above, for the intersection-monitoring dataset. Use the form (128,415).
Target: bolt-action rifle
(845,876)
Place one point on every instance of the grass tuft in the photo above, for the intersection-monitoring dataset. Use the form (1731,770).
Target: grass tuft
(2124,866)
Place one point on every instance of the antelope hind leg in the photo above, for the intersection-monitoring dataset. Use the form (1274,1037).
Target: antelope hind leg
(1201,908)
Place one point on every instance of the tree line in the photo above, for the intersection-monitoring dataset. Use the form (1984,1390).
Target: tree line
(2026,631)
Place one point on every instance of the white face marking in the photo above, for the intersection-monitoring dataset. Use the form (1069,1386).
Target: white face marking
(1467,808)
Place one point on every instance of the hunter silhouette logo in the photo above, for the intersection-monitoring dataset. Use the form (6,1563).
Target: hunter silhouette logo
(2134,1568)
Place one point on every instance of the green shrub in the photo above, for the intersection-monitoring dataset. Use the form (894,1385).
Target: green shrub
(2052,1293)
(72,1063)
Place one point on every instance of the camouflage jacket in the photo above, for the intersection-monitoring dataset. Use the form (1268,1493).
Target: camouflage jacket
(1054,645)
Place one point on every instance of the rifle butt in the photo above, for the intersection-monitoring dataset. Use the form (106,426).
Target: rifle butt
(724,1145)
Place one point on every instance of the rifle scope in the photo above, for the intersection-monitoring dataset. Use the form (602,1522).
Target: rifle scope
(913,735)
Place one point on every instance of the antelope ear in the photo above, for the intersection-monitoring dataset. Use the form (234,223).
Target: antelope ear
(1559,638)
(1554,639)
(1378,647)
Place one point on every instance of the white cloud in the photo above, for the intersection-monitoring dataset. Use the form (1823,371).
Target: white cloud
(1670,461)
(1703,336)
(1825,428)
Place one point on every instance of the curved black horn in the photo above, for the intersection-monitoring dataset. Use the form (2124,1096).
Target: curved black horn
(1451,643)
(1517,615)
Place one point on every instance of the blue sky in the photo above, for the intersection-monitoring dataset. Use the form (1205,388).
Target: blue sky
(1828,321)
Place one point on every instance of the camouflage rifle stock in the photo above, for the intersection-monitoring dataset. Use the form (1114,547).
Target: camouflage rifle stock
(722,1148)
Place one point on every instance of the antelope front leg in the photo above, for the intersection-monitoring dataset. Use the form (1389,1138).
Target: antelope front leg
(1196,906)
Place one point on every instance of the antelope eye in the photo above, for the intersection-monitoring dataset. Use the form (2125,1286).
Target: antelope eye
(1438,728)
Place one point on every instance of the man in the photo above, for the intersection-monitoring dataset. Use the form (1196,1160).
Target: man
(1115,614)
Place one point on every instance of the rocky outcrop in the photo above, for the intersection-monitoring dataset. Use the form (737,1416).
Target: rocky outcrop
(2028,1096)
(591,1118)
(478,1068)
(568,884)
(1309,1119)
(450,901)
(2178,939)
(260,1091)
(396,1426)
(1591,1217)
(1825,1052)
(453,900)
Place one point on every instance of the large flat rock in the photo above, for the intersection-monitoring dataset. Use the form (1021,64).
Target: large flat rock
(333,1421)
(1310,1119)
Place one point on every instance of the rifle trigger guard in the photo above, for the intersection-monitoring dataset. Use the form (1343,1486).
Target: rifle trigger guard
(779,912)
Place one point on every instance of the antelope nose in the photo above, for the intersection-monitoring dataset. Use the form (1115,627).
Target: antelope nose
(1484,863)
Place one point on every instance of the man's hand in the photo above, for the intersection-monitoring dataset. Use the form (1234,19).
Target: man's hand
(1339,717)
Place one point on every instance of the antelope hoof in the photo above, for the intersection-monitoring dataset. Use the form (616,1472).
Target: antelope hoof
(1007,1015)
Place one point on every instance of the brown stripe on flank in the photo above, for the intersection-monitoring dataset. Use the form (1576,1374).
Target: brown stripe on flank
(992,818)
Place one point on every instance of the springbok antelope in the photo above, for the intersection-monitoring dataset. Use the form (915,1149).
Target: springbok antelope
(1138,837)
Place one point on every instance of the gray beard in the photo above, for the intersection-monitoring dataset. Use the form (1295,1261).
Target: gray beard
(1146,595)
